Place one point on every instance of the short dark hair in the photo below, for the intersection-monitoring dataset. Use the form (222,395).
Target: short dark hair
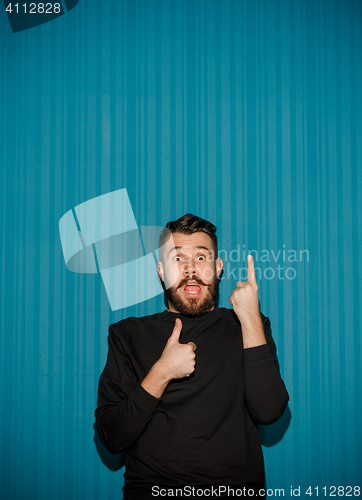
(189,224)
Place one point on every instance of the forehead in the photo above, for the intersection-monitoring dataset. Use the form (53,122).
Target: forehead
(189,242)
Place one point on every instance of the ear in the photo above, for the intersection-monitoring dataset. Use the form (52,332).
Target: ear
(218,265)
(160,271)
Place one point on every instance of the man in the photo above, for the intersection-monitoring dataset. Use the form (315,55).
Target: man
(183,390)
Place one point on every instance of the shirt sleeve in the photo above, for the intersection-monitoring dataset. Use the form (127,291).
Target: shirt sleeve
(266,396)
(124,406)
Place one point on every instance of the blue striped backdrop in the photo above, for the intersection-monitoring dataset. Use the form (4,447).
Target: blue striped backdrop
(246,112)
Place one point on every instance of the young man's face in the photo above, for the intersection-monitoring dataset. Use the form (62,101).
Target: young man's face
(190,273)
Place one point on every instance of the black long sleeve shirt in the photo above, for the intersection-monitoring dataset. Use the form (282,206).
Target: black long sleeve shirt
(203,430)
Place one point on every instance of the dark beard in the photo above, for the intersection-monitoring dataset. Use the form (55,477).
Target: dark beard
(192,307)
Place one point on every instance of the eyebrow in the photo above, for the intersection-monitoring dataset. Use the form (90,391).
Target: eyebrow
(200,247)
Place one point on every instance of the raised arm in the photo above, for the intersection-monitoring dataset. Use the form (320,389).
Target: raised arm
(265,392)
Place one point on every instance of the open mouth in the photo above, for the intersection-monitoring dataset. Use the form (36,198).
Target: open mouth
(192,289)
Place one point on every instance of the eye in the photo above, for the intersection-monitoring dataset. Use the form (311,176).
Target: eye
(177,258)
(201,258)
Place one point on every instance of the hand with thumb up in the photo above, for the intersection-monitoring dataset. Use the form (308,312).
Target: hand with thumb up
(176,361)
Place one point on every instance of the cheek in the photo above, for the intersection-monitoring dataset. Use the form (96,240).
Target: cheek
(208,273)
(172,276)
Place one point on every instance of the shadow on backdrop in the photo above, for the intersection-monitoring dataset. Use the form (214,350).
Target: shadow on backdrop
(113,462)
(270,435)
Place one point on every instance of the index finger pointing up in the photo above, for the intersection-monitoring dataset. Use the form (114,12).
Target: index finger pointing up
(251,271)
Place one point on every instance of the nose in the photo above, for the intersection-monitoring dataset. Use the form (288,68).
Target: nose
(189,267)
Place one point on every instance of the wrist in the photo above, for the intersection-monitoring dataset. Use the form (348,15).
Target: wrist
(160,373)
(250,321)
(155,381)
(253,332)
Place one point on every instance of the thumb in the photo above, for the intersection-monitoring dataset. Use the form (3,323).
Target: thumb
(176,332)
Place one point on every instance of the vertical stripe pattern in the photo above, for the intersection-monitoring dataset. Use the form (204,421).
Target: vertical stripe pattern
(245,113)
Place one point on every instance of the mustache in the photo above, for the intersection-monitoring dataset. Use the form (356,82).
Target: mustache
(192,278)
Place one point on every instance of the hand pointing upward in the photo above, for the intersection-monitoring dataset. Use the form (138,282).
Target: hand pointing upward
(245,302)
